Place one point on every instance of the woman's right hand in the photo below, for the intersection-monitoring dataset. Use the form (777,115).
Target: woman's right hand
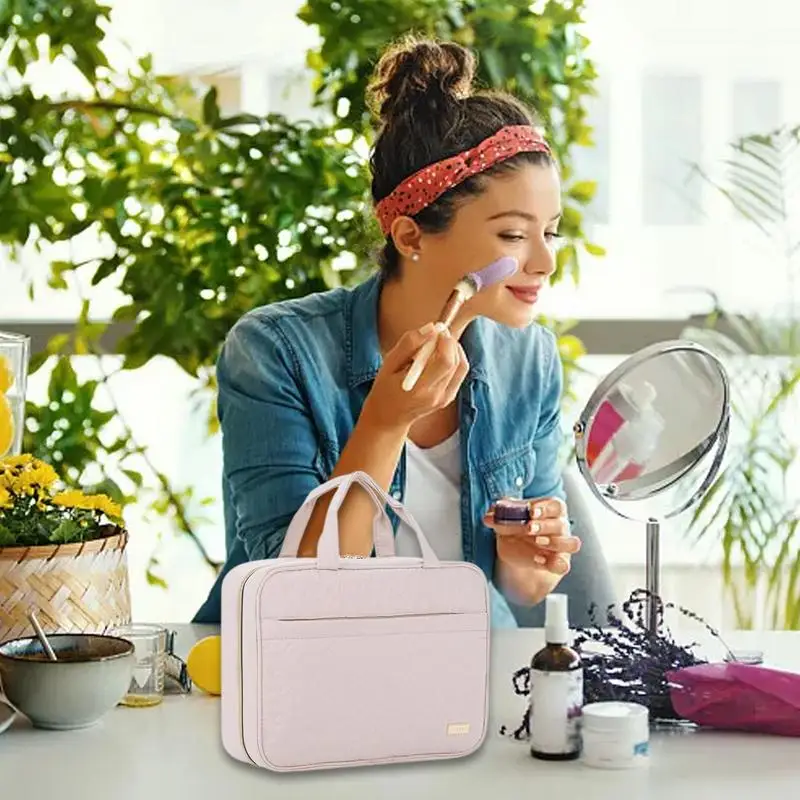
(389,406)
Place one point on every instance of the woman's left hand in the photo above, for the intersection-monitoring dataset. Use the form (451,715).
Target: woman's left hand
(533,558)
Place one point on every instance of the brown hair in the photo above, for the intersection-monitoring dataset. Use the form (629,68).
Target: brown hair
(422,94)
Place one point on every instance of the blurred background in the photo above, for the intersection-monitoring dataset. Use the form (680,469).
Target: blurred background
(167,165)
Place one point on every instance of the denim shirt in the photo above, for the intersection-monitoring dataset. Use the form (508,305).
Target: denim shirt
(292,378)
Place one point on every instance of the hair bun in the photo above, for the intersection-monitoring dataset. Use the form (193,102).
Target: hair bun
(420,71)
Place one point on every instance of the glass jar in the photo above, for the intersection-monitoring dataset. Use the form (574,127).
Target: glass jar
(14,360)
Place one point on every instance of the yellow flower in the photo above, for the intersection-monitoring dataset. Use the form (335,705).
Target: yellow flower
(43,475)
(89,502)
(72,498)
(25,474)
(23,460)
(105,504)
(6,501)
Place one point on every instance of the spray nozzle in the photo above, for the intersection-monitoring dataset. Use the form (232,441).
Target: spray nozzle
(642,395)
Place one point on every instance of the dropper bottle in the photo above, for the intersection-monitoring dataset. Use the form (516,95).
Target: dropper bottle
(556,689)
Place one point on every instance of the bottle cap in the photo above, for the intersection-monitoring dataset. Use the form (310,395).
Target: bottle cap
(613,715)
(629,400)
(642,395)
(556,621)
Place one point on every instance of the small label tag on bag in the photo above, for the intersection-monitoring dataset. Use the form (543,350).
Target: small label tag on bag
(457,728)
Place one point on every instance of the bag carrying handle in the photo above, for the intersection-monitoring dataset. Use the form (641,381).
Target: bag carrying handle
(382,536)
(328,556)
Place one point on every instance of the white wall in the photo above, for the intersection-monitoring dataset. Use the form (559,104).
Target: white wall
(187,36)
(723,43)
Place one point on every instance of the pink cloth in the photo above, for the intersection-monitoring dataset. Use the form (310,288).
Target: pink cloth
(738,697)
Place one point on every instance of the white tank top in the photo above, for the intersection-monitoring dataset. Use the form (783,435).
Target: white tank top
(433,497)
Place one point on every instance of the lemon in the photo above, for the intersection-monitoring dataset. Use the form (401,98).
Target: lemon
(204,664)
(6,425)
(6,375)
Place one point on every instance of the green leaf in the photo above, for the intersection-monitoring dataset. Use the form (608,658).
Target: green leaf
(493,62)
(152,578)
(155,580)
(134,476)
(185,126)
(210,108)
(583,191)
(238,119)
(57,344)
(37,360)
(7,538)
(127,313)
(105,269)
(68,530)
(594,249)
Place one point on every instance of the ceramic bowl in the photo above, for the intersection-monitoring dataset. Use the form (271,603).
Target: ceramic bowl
(92,674)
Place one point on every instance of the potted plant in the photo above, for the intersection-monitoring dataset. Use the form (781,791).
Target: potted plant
(753,506)
(62,553)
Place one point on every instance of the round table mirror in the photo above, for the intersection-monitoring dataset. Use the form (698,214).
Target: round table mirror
(657,424)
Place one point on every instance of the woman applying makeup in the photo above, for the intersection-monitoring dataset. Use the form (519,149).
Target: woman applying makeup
(310,389)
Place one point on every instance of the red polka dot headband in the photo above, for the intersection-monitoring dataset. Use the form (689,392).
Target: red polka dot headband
(426,185)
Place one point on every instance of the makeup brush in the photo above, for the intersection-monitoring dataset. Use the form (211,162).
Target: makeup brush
(464,290)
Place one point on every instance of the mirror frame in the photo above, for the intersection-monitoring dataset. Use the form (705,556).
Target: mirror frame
(644,487)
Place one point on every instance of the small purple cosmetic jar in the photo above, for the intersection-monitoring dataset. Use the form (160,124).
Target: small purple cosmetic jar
(512,512)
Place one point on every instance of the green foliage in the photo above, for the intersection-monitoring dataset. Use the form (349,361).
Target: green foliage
(751,506)
(539,55)
(230,232)
(196,218)
(19,527)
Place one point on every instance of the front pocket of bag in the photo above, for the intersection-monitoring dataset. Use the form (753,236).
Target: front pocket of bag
(354,627)
(371,690)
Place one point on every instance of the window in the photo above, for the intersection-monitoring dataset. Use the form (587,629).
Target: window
(593,163)
(672,139)
(756,107)
(291,94)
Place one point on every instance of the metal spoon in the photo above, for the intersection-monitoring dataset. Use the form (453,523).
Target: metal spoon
(40,635)
(7,715)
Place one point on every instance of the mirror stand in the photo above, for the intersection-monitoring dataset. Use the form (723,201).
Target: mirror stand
(653,572)
(646,428)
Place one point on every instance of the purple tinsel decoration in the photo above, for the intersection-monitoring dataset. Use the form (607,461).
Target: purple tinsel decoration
(628,662)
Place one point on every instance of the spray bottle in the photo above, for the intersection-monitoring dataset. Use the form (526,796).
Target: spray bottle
(556,689)
(626,453)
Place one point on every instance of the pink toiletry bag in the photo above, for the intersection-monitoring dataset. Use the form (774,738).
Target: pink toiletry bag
(341,662)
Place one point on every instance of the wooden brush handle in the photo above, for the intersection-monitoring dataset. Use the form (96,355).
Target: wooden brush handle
(419,363)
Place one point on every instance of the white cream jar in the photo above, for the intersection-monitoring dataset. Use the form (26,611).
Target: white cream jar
(615,735)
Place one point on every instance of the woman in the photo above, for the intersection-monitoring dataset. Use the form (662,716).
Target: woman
(312,388)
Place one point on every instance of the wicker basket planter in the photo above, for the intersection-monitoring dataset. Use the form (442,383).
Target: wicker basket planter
(79,587)
(79,583)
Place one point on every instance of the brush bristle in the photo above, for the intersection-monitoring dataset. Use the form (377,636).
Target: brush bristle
(497,271)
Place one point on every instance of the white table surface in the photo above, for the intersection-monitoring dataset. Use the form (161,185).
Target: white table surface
(174,751)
